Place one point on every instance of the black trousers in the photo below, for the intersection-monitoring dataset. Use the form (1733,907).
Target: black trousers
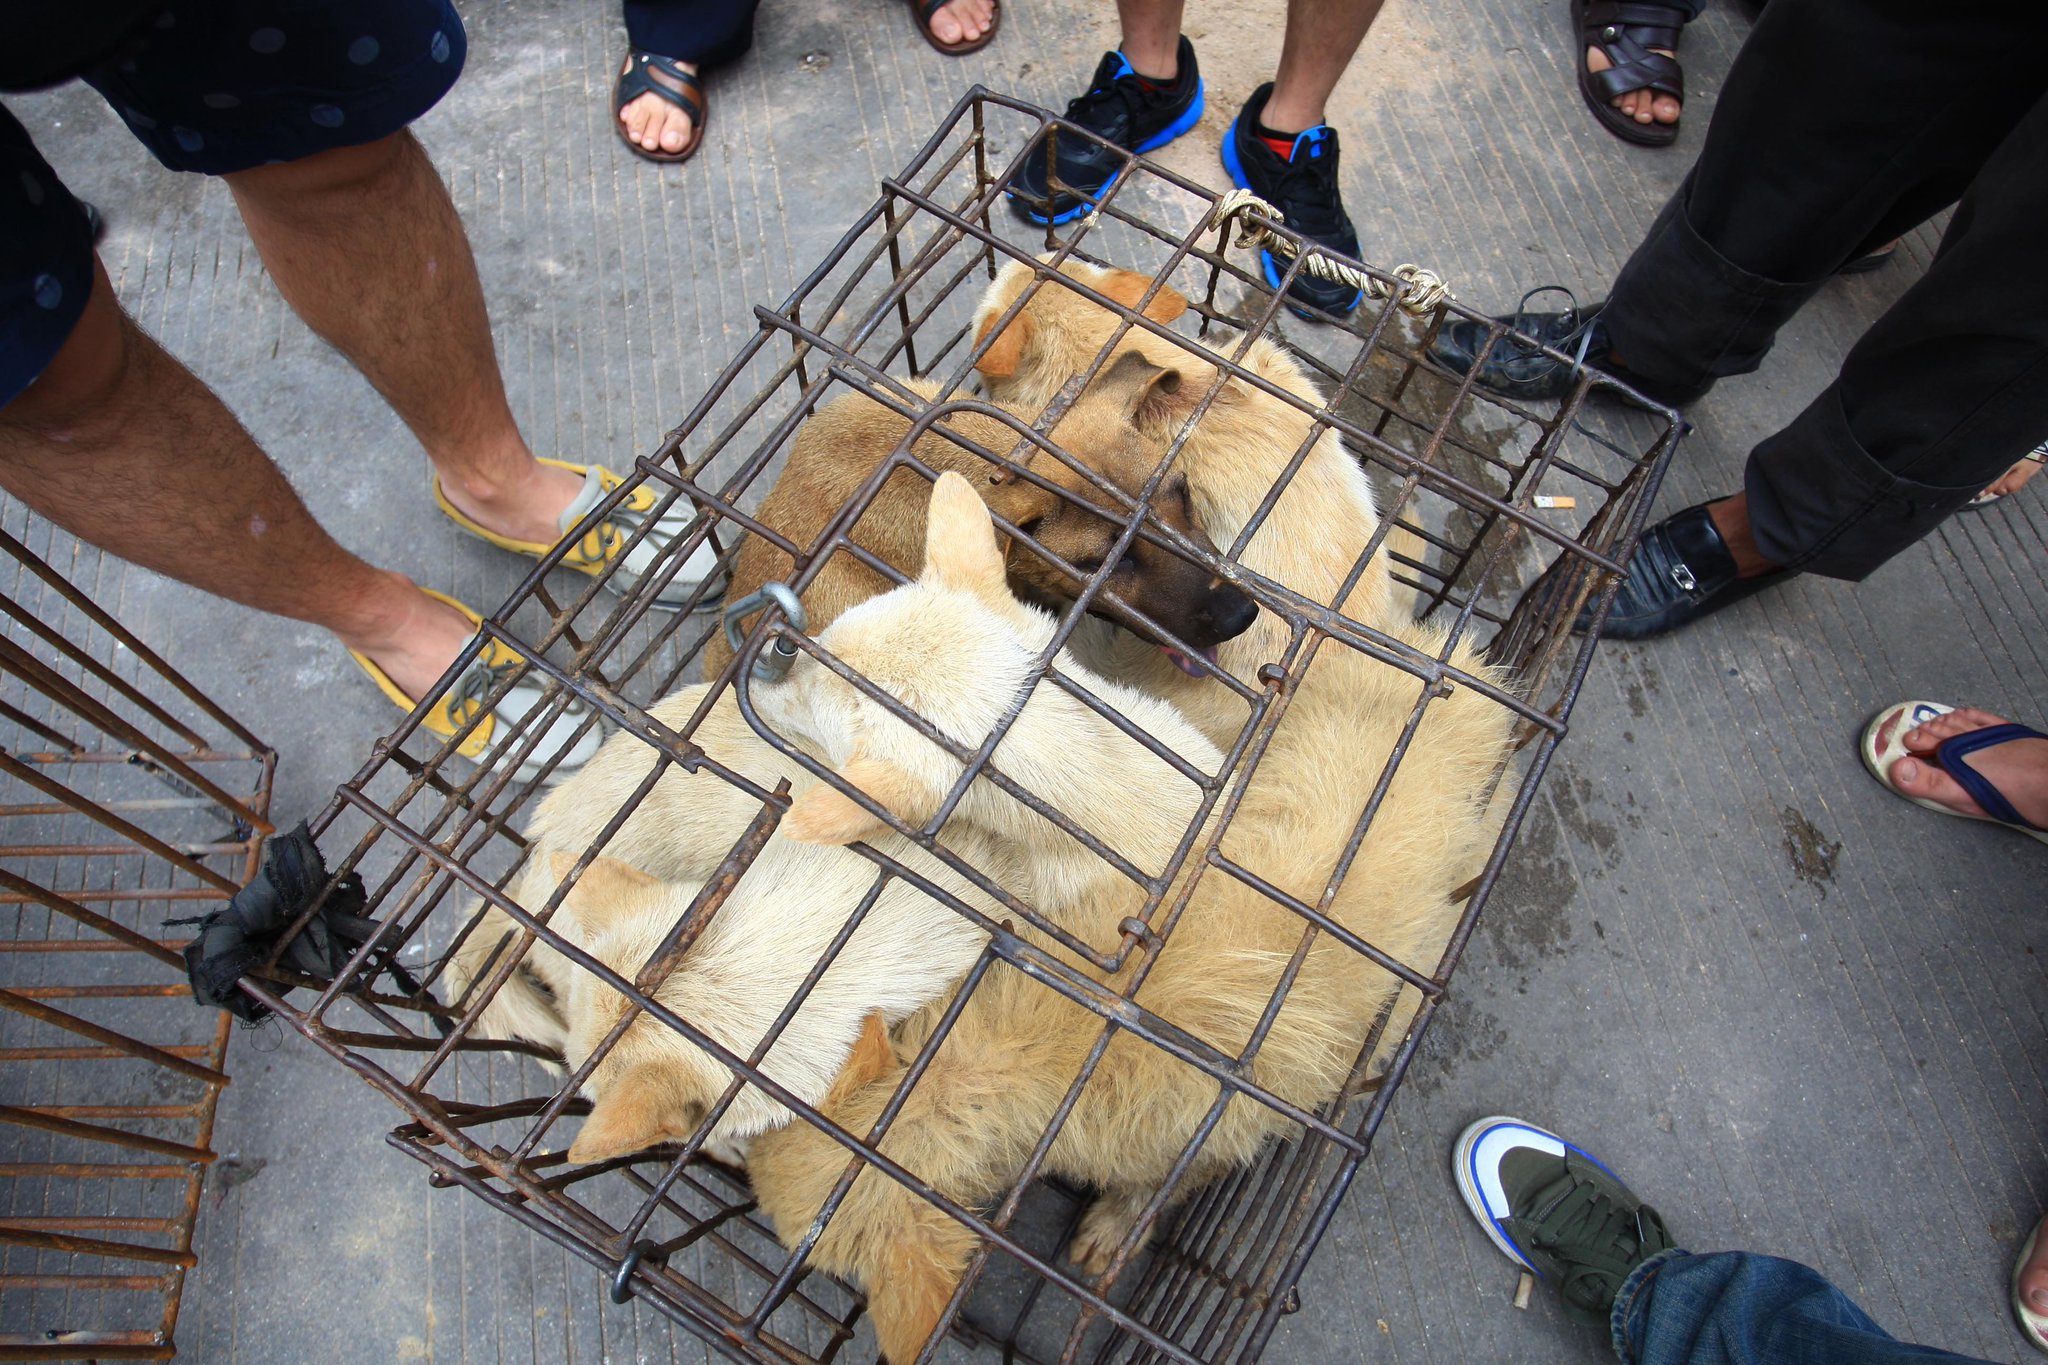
(1842,124)
(702,32)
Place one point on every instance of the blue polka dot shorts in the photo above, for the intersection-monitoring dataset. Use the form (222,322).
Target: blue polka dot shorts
(217,86)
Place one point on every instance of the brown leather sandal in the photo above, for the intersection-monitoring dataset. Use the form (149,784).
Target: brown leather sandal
(1625,31)
(649,73)
(923,10)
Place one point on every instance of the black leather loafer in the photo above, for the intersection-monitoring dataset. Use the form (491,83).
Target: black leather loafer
(1682,571)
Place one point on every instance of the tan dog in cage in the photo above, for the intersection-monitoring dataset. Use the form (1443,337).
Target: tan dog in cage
(1018,1047)
(839,448)
(1320,524)
(956,647)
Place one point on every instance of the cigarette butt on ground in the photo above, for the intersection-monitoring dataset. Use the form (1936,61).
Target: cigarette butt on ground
(1523,1288)
(1557,504)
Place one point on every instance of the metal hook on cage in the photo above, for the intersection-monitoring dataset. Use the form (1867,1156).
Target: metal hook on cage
(641,1251)
(1421,292)
(773,662)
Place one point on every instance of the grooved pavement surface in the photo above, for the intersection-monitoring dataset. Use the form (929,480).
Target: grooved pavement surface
(1800,1015)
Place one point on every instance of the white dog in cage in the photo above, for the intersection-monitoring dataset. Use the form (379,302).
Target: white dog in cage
(1290,1014)
(957,648)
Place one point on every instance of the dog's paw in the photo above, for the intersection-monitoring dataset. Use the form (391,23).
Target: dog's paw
(727,1151)
(1103,1227)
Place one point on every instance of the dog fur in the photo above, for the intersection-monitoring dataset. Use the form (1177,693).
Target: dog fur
(840,447)
(955,646)
(1310,541)
(1017,1047)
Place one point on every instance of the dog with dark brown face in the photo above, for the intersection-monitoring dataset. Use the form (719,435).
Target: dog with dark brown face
(840,447)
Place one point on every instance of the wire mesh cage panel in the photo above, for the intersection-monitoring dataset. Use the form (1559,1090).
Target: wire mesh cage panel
(128,799)
(1024,958)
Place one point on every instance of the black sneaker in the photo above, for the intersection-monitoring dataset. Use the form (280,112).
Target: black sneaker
(1553,1208)
(1303,186)
(1519,370)
(1516,368)
(1123,108)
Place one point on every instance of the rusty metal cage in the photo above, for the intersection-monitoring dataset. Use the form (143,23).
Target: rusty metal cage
(1479,497)
(127,799)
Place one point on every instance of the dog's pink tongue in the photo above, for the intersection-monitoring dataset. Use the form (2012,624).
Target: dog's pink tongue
(1184,663)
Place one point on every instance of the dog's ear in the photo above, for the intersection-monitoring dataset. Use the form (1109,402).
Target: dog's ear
(632,1115)
(826,815)
(607,889)
(960,549)
(1006,353)
(1128,286)
(1144,391)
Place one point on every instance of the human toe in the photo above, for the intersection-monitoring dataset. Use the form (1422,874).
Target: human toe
(675,131)
(2033,1277)
(1961,721)
(637,115)
(1926,782)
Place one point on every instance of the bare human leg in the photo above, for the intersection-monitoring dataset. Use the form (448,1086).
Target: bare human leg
(365,245)
(121,445)
(1151,37)
(1322,37)
(1731,519)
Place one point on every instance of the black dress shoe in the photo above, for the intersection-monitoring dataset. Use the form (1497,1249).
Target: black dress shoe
(1520,370)
(1682,571)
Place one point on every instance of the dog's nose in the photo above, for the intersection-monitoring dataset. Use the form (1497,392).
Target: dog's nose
(1226,613)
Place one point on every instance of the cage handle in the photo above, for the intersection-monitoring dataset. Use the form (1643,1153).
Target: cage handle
(1421,292)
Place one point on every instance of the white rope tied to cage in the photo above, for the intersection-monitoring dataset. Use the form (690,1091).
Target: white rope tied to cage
(1422,290)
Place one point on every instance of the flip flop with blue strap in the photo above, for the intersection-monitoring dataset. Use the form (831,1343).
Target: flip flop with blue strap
(1951,756)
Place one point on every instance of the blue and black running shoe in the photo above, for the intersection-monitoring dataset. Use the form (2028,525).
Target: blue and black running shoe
(1303,186)
(1125,109)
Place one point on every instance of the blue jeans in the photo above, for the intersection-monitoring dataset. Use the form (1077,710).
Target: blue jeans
(1738,1308)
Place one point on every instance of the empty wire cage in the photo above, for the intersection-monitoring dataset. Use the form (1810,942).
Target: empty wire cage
(1477,499)
(128,800)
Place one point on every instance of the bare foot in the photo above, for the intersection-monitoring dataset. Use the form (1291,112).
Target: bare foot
(528,509)
(1644,106)
(412,637)
(2016,478)
(1103,1227)
(963,21)
(2019,769)
(2034,1274)
(653,122)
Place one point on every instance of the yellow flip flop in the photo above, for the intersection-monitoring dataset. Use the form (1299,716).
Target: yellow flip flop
(566,736)
(603,548)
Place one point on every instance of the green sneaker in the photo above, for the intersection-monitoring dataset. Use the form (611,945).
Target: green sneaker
(1555,1209)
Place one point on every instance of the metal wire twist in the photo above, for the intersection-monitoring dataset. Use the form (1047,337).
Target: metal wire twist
(1422,289)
